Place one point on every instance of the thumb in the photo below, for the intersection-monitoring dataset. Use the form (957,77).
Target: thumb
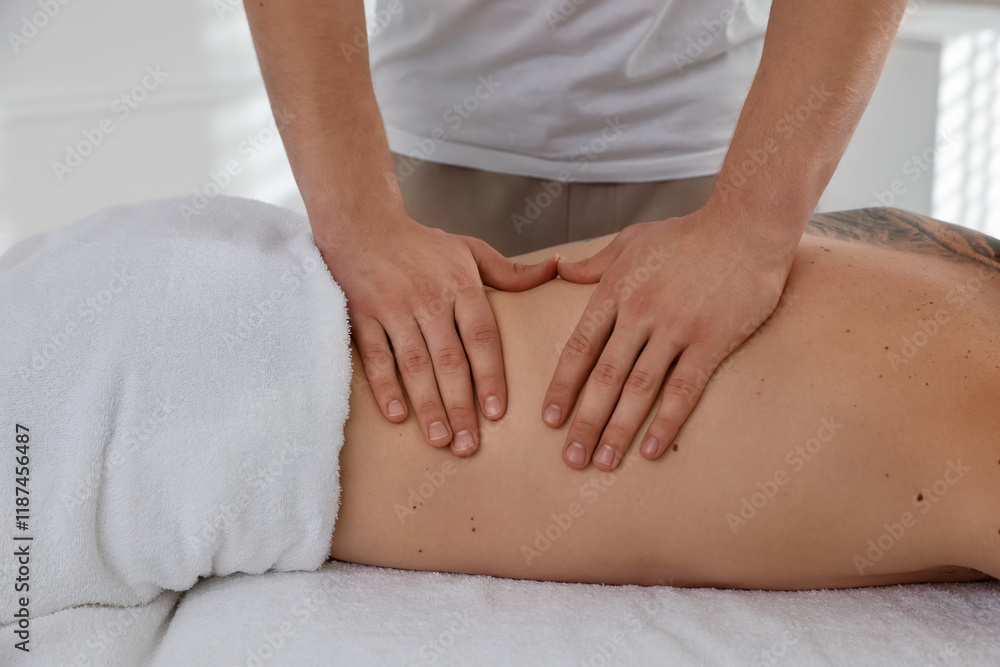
(589,269)
(502,273)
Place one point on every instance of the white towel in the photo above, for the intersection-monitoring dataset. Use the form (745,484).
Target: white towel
(360,616)
(184,381)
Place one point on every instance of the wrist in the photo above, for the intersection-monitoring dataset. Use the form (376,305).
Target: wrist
(348,230)
(775,215)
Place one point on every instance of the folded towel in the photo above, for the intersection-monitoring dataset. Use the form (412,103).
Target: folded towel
(180,388)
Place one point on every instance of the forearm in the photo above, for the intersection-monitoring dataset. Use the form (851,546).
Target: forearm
(318,80)
(820,64)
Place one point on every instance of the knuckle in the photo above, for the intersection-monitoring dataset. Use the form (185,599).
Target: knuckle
(579,345)
(681,387)
(450,359)
(414,361)
(558,390)
(627,233)
(483,334)
(606,375)
(377,358)
(489,383)
(430,408)
(586,429)
(663,428)
(462,416)
(617,436)
(462,281)
(383,388)
(424,291)
(639,382)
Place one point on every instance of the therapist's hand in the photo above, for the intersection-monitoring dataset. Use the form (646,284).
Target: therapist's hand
(689,290)
(422,289)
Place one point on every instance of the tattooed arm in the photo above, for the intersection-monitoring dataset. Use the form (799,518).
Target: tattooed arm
(908,232)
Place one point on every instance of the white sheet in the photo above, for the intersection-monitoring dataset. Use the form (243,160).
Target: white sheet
(371,616)
(359,616)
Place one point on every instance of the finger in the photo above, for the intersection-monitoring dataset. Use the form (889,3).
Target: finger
(604,387)
(499,272)
(681,392)
(637,398)
(481,339)
(578,356)
(417,371)
(451,367)
(380,367)
(590,269)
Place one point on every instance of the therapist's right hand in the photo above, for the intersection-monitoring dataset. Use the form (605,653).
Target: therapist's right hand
(422,290)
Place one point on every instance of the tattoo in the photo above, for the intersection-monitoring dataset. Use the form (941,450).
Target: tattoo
(908,232)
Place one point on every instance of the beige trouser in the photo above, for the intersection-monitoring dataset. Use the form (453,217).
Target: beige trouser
(518,214)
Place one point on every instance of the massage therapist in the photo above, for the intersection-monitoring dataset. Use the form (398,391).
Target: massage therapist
(522,124)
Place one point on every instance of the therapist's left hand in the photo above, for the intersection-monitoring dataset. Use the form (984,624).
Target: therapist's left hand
(689,289)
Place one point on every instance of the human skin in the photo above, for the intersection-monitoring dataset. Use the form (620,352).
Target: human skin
(421,291)
(415,287)
(864,459)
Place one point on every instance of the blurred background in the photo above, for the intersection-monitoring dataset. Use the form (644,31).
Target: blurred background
(111,101)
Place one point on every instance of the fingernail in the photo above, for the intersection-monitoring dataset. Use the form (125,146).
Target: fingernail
(605,455)
(650,445)
(552,414)
(463,441)
(492,406)
(576,453)
(395,408)
(438,430)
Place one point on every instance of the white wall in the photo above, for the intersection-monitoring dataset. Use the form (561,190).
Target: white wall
(58,87)
(930,139)
(70,76)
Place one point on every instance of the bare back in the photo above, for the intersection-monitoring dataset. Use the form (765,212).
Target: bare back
(851,441)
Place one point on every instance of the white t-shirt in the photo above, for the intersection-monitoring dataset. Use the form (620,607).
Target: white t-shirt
(574,90)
